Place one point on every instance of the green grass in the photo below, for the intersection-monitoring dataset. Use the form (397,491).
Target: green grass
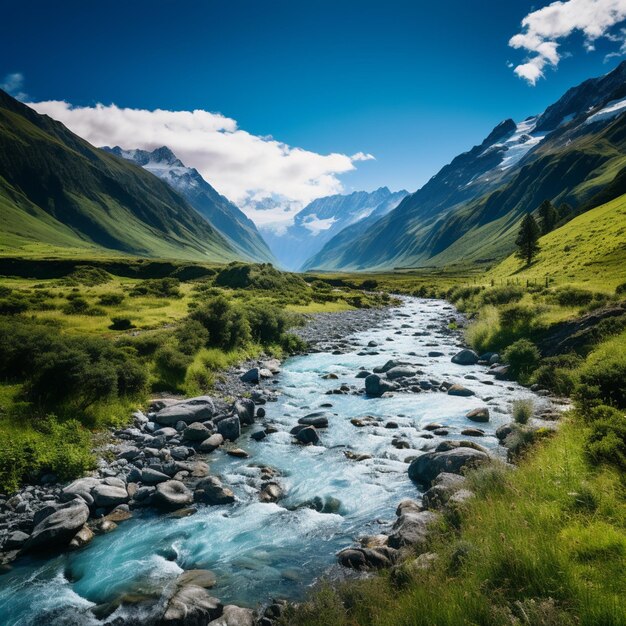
(589,251)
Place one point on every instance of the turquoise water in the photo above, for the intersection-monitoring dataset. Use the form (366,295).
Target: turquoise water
(259,551)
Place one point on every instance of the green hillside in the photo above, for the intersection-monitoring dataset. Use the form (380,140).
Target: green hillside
(590,250)
(61,196)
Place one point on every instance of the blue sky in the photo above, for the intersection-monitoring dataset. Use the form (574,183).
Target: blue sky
(411,83)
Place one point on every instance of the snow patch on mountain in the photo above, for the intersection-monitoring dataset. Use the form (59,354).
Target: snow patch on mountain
(610,110)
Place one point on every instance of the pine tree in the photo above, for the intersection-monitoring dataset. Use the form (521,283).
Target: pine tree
(549,216)
(528,239)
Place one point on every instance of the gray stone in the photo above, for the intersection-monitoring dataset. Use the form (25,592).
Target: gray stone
(318,419)
(188,411)
(478,415)
(426,467)
(196,432)
(172,494)
(465,357)
(411,528)
(375,386)
(308,435)
(234,616)
(211,491)
(210,444)
(244,408)
(251,376)
(401,371)
(229,428)
(191,605)
(56,527)
(105,495)
(151,476)
(459,390)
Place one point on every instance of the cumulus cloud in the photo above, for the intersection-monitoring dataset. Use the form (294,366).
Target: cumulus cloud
(545,29)
(269,179)
(14,84)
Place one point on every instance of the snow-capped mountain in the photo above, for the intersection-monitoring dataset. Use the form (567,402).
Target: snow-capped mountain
(220,212)
(322,219)
(468,211)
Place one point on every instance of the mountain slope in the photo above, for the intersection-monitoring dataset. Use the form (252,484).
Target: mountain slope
(323,218)
(470,209)
(238,229)
(591,248)
(60,195)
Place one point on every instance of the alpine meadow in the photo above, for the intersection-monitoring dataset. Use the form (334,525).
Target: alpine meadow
(313,314)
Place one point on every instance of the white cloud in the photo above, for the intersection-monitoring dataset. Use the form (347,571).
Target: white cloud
(544,29)
(315,225)
(13,84)
(270,180)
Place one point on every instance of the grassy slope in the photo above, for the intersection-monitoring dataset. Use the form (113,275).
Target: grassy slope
(59,195)
(588,251)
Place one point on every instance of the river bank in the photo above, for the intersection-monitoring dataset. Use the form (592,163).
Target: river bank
(362,436)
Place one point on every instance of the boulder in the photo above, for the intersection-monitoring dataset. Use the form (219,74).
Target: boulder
(375,386)
(188,411)
(151,476)
(82,488)
(211,491)
(362,374)
(171,495)
(426,467)
(229,427)
(443,487)
(81,538)
(367,558)
(212,443)
(196,432)
(109,495)
(15,540)
(401,371)
(411,528)
(235,616)
(191,605)
(251,376)
(381,369)
(478,415)
(57,524)
(271,492)
(308,435)
(318,419)
(501,372)
(459,390)
(465,357)
(244,408)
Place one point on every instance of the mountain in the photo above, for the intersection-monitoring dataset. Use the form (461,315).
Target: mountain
(322,219)
(59,195)
(469,211)
(238,229)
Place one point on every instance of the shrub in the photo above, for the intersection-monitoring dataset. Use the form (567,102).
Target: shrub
(13,304)
(502,295)
(522,357)
(76,306)
(191,335)
(157,288)
(111,299)
(121,323)
(267,323)
(606,442)
(228,326)
(620,290)
(517,318)
(523,410)
(87,275)
(292,344)
(608,377)
(171,363)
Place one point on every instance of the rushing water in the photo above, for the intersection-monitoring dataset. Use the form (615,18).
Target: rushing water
(257,550)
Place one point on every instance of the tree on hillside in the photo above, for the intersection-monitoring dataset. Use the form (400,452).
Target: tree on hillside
(549,216)
(565,211)
(527,240)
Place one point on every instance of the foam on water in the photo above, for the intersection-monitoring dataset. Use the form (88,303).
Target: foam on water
(257,550)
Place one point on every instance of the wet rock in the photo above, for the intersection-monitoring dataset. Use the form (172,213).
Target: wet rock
(104,526)
(401,371)
(81,538)
(435,353)
(229,428)
(82,488)
(271,492)
(473,432)
(465,357)
(153,477)
(238,453)
(381,369)
(172,494)
(15,540)
(356,456)
(443,487)
(318,419)
(188,411)
(196,432)
(211,491)
(56,525)
(375,386)
(459,390)
(308,435)
(502,432)
(429,465)
(212,443)
(244,408)
(258,435)
(191,605)
(478,415)
(362,374)
(367,558)
(501,372)
(234,616)
(330,376)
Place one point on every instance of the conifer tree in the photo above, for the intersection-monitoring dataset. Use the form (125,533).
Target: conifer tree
(527,240)
(549,216)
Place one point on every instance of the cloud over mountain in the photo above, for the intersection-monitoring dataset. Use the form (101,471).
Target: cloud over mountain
(545,29)
(269,179)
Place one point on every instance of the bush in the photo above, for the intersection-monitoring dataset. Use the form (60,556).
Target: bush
(87,275)
(191,335)
(620,290)
(111,299)
(13,304)
(522,357)
(606,442)
(608,377)
(172,364)
(267,323)
(121,323)
(76,306)
(157,288)
(517,318)
(227,325)
(502,295)
(523,410)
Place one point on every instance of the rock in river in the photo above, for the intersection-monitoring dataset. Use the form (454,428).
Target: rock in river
(234,616)
(375,386)
(459,390)
(172,494)
(211,491)
(109,495)
(426,467)
(308,435)
(465,357)
(229,427)
(478,415)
